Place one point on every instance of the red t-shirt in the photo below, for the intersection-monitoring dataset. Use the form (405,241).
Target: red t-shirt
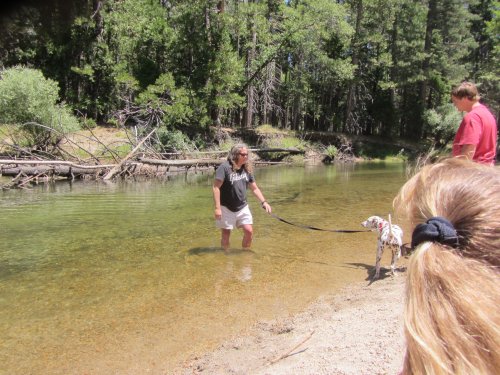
(478,128)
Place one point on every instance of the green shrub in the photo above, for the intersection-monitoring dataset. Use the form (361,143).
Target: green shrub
(174,140)
(89,123)
(295,159)
(284,142)
(267,129)
(164,97)
(121,150)
(227,144)
(331,151)
(25,96)
(277,140)
(441,123)
(29,100)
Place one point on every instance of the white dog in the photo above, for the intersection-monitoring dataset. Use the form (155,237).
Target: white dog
(388,234)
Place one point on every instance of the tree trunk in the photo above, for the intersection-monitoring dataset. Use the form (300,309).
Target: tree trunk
(349,123)
(99,24)
(424,84)
(393,74)
(248,119)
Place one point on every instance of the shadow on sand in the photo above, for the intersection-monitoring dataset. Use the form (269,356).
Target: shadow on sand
(370,270)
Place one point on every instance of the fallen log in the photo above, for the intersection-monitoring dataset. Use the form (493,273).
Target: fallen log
(20,181)
(292,151)
(52,162)
(182,163)
(66,171)
(255,150)
(116,169)
(198,162)
(50,169)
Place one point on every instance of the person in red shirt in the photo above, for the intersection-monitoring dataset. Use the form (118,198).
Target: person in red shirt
(476,137)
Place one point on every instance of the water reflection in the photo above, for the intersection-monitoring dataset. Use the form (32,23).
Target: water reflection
(108,278)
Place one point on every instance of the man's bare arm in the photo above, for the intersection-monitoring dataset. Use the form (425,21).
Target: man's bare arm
(216,191)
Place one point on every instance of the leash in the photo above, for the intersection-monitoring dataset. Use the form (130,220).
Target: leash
(315,228)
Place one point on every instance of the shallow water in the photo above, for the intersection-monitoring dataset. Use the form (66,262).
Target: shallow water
(128,277)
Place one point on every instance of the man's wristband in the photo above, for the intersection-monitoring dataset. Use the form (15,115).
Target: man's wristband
(262,203)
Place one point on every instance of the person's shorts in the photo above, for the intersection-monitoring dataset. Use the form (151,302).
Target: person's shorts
(231,220)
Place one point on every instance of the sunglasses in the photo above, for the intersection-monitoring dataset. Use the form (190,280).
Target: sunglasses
(243,154)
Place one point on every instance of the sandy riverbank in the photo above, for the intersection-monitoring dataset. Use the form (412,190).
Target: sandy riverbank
(357,331)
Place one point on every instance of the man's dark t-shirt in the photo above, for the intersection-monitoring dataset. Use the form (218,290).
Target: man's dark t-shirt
(233,192)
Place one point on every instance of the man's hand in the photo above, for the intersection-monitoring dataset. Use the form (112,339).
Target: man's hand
(266,206)
(218,213)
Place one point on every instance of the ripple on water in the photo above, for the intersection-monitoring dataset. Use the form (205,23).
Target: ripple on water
(102,278)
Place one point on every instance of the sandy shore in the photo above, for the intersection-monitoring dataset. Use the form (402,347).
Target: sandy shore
(357,331)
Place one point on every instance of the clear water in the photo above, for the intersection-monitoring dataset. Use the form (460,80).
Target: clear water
(128,277)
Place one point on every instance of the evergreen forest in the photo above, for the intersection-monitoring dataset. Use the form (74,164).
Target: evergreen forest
(366,67)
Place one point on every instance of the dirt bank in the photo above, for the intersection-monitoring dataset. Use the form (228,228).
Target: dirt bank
(357,331)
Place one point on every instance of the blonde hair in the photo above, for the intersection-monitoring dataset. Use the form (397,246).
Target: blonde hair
(452,315)
(233,155)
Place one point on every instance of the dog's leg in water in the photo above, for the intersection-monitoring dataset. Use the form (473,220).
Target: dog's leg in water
(380,248)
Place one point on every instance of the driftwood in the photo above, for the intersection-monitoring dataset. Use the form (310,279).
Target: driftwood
(292,151)
(25,171)
(197,162)
(289,352)
(21,180)
(48,170)
(52,163)
(182,163)
(66,169)
(116,169)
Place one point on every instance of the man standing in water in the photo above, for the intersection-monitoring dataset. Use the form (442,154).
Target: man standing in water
(476,137)
(232,178)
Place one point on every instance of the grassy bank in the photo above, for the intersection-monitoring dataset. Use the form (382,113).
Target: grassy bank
(112,144)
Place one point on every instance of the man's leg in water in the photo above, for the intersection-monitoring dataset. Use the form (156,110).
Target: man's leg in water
(246,243)
(224,242)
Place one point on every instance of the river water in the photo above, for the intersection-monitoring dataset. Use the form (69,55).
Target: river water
(128,277)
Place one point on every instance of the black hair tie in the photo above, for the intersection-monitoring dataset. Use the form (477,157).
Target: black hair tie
(436,229)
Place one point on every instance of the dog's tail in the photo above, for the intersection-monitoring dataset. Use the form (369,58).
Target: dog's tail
(391,236)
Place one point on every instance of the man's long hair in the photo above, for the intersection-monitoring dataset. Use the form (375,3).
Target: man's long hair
(452,319)
(232,157)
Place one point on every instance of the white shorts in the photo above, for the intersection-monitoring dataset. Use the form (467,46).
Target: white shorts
(231,220)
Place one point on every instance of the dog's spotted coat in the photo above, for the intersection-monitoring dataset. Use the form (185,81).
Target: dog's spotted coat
(388,235)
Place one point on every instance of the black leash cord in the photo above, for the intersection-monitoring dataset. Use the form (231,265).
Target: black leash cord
(314,228)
